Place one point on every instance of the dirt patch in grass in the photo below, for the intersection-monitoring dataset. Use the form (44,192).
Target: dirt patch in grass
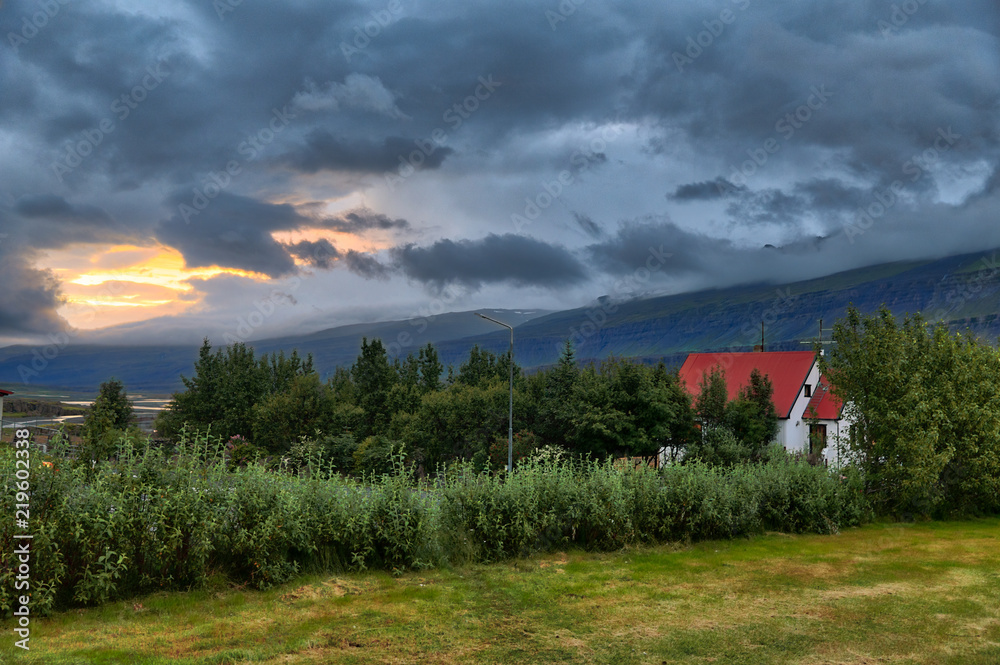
(333,588)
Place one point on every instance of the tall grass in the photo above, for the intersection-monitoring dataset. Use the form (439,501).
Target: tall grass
(156,520)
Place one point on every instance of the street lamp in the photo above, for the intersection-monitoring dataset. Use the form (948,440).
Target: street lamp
(510,415)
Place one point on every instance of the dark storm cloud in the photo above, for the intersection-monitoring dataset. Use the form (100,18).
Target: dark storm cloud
(322,151)
(319,254)
(494,259)
(56,207)
(701,261)
(29,296)
(366,266)
(50,221)
(846,105)
(635,241)
(871,101)
(357,221)
(705,191)
(233,231)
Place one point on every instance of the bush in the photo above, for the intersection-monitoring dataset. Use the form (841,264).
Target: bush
(719,447)
(374,456)
(150,520)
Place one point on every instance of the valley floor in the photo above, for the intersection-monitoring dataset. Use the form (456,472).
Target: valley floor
(885,593)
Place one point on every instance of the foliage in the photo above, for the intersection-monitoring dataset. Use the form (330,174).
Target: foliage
(713,395)
(719,447)
(752,416)
(373,378)
(225,388)
(926,411)
(374,457)
(525,443)
(107,421)
(733,431)
(279,403)
(281,418)
(151,521)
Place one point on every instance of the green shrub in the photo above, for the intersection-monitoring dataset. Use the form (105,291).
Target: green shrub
(152,519)
(374,456)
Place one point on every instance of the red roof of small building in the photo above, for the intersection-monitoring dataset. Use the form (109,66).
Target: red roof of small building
(824,404)
(5,392)
(787,370)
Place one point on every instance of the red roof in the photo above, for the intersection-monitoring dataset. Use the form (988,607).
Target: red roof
(824,404)
(4,393)
(787,370)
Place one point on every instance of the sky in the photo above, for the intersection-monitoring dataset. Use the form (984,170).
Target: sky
(175,170)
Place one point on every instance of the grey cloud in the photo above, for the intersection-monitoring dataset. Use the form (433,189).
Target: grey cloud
(706,190)
(832,194)
(29,296)
(363,219)
(636,241)
(509,258)
(366,266)
(319,254)
(51,221)
(770,206)
(322,151)
(888,98)
(358,91)
(51,206)
(233,231)
(588,225)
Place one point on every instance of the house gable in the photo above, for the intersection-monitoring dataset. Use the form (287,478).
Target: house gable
(824,405)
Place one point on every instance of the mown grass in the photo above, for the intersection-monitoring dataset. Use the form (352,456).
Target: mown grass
(883,593)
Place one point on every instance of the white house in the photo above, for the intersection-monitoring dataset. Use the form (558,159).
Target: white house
(801,397)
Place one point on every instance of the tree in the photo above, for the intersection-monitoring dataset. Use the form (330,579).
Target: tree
(109,418)
(713,395)
(226,385)
(557,409)
(430,369)
(752,417)
(925,405)
(479,368)
(625,408)
(282,418)
(683,429)
(733,431)
(373,377)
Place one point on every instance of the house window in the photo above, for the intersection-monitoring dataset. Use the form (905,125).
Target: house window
(809,390)
(817,439)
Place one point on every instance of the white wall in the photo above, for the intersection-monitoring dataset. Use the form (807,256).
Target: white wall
(794,432)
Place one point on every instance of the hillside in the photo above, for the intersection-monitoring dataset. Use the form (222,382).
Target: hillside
(962,290)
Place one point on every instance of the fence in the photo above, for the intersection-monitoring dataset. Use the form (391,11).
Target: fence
(41,435)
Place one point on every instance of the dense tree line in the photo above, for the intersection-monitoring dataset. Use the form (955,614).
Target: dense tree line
(277,405)
(926,406)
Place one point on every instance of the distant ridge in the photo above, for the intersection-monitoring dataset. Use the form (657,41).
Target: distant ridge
(961,290)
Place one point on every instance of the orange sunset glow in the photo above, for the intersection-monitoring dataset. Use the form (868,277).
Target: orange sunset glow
(111,285)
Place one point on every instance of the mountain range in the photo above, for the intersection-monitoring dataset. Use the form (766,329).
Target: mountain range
(963,291)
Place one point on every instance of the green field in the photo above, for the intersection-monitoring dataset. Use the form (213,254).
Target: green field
(884,593)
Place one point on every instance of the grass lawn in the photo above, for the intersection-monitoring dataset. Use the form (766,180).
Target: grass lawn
(885,593)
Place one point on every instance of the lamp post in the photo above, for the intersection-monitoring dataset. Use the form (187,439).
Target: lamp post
(510,414)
